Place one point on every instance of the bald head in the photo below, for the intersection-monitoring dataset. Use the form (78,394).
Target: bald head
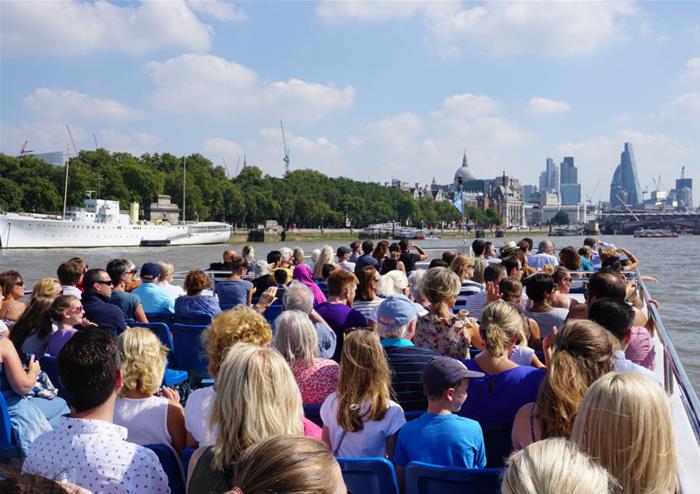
(229,254)
(605,285)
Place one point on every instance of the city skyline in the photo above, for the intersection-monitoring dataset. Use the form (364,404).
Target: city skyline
(368,90)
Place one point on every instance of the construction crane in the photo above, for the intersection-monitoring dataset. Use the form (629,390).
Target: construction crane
(595,189)
(285,149)
(238,165)
(629,210)
(72,141)
(94,138)
(24,151)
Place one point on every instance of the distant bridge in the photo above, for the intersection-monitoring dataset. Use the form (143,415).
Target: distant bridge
(626,223)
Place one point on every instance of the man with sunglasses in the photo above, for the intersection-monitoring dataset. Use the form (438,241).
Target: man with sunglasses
(98,310)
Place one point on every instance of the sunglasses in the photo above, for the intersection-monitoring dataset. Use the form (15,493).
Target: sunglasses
(77,309)
(102,282)
(19,283)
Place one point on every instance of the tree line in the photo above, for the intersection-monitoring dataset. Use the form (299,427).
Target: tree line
(305,198)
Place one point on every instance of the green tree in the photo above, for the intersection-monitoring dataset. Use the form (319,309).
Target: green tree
(561,218)
(492,217)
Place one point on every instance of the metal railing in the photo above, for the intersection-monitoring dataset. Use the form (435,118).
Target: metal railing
(675,376)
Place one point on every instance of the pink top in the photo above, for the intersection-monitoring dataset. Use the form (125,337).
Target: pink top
(641,349)
(312,430)
(302,273)
(316,381)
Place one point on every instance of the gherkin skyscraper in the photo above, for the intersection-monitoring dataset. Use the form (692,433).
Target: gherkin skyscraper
(625,184)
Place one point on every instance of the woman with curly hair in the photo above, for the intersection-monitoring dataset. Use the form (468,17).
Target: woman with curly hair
(195,283)
(359,419)
(151,414)
(240,324)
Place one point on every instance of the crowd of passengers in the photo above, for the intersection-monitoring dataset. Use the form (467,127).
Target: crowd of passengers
(508,368)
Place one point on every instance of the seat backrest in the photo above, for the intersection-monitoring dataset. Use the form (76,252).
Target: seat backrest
(369,475)
(8,448)
(185,457)
(499,444)
(193,318)
(313,413)
(187,347)
(412,414)
(161,330)
(165,317)
(422,478)
(48,364)
(272,312)
(171,466)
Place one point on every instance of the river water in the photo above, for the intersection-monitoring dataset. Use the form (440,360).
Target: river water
(670,260)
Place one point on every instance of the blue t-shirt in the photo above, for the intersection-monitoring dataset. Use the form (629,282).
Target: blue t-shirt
(233,292)
(446,440)
(493,400)
(127,302)
(155,298)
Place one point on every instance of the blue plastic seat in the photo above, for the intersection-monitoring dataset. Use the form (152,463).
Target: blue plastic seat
(162,331)
(165,317)
(226,306)
(8,447)
(199,318)
(272,312)
(369,475)
(187,348)
(48,364)
(185,457)
(313,413)
(412,414)
(423,478)
(498,444)
(171,466)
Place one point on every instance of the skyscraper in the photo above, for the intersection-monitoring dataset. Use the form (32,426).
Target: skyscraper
(568,172)
(625,184)
(569,189)
(549,178)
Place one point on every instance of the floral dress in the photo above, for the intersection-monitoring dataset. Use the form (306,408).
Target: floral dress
(448,336)
(316,381)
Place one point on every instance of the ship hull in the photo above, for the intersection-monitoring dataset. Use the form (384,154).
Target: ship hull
(20,232)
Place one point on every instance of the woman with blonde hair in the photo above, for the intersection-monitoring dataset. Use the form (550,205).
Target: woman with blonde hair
(440,330)
(296,339)
(562,281)
(256,399)
(47,287)
(326,256)
(624,423)
(495,398)
(151,414)
(359,419)
(583,352)
(463,266)
(529,340)
(240,324)
(165,280)
(288,464)
(555,466)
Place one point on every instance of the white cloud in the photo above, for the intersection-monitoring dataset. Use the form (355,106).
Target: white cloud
(397,133)
(597,158)
(218,10)
(684,107)
(136,143)
(467,105)
(522,28)
(265,152)
(542,106)
(214,86)
(75,28)
(68,104)
(367,10)
(691,72)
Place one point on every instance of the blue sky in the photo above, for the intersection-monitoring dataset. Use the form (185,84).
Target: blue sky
(369,90)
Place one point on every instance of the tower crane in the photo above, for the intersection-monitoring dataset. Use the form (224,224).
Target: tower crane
(285,160)
(24,151)
(94,138)
(72,141)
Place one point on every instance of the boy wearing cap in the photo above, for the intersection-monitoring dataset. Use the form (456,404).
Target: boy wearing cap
(154,298)
(439,436)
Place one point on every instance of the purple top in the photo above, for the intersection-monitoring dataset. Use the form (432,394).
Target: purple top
(58,339)
(493,400)
(302,273)
(340,317)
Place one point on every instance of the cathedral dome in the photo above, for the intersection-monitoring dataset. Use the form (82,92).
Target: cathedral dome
(464,172)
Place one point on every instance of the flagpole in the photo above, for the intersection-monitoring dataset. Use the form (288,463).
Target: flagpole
(461,200)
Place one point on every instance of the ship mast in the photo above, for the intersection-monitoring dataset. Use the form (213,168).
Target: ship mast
(65,184)
(184,178)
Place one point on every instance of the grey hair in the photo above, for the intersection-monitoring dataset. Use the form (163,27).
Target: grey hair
(314,254)
(286,254)
(392,283)
(545,244)
(295,337)
(298,296)
(261,269)
(399,332)
(414,282)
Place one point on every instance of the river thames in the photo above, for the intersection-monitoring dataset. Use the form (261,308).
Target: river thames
(669,260)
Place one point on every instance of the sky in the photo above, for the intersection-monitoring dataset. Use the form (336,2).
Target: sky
(369,90)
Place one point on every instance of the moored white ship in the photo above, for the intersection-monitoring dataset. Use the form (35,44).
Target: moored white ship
(101,224)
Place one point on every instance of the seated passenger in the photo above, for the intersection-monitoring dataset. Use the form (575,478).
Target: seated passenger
(98,291)
(325,257)
(235,291)
(397,316)
(529,340)
(440,436)
(151,414)
(440,330)
(12,290)
(196,282)
(583,352)
(393,283)
(366,300)
(70,274)
(544,256)
(154,298)
(286,464)
(129,303)
(617,317)
(562,279)
(30,334)
(240,324)
(299,297)
(67,313)
(624,422)
(165,280)
(360,420)
(463,266)
(228,256)
(302,274)
(296,339)
(492,276)
(495,398)
(569,259)
(47,287)
(256,399)
(87,449)
(392,261)
(555,466)
(337,311)
(540,289)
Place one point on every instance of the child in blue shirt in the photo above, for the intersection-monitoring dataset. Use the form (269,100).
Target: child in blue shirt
(439,436)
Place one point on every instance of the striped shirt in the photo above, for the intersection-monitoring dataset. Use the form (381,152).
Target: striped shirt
(368,308)
(407,361)
(469,287)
